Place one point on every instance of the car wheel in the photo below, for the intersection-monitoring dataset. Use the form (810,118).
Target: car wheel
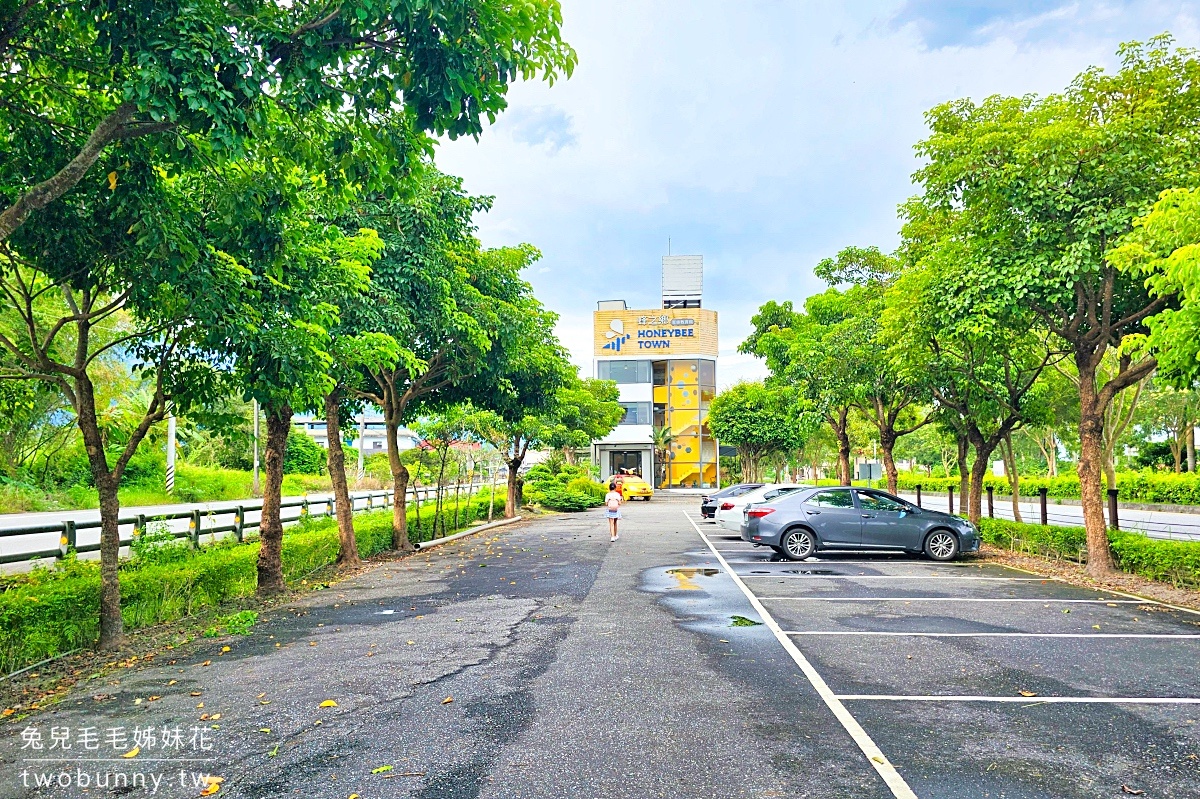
(941,545)
(797,544)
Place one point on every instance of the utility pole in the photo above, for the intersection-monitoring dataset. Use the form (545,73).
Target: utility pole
(171,454)
(362,432)
(255,486)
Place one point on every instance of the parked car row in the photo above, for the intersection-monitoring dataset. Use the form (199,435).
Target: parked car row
(797,521)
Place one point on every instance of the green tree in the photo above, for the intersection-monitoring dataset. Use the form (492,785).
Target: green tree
(1038,190)
(759,421)
(588,409)
(812,352)
(83,79)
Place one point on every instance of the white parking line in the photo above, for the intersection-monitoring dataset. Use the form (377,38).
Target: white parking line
(888,577)
(857,633)
(875,756)
(1027,700)
(947,599)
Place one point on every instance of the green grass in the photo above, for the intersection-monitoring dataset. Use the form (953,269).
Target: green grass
(1175,562)
(51,611)
(192,484)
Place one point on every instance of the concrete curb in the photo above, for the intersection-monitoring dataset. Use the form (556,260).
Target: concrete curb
(439,541)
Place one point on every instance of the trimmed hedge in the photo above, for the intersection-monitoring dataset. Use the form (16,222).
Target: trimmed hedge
(1176,562)
(1165,488)
(51,611)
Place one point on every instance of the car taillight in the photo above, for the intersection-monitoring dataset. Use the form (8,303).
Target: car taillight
(726,506)
(758,513)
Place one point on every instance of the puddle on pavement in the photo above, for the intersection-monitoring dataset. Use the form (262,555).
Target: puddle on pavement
(686,574)
(808,571)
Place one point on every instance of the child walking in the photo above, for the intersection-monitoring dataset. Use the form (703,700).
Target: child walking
(612,505)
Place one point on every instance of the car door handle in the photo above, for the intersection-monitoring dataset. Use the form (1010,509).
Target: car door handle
(813,512)
(867,516)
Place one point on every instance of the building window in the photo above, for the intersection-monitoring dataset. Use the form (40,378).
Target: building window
(624,371)
(660,373)
(376,426)
(316,426)
(635,413)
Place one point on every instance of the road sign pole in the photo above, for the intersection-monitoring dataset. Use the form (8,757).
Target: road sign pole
(171,454)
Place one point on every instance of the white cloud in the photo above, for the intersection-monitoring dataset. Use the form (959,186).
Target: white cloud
(764,135)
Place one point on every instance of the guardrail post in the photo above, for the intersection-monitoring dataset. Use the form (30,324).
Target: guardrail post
(991,507)
(918,495)
(304,508)
(950,494)
(1113,522)
(239,523)
(329,507)
(67,542)
(370,502)
(194,528)
(1042,492)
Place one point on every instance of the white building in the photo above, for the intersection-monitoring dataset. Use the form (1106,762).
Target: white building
(664,361)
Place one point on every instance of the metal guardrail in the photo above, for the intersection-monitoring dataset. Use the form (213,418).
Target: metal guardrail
(239,525)
(1046,515)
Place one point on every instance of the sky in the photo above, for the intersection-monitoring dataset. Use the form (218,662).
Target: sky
(764,135)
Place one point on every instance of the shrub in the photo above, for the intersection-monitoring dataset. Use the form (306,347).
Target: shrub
(1177,562)
(564,499)
(584,485)
(303,455)
(1165,488)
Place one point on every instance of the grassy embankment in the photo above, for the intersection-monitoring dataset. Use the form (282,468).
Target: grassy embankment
(51,611)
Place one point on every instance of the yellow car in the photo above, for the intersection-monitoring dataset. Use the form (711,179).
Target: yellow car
(635,487)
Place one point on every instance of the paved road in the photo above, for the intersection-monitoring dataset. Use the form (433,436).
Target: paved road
(542,661)
(1154,523)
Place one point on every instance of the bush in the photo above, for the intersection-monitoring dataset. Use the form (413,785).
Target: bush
(303,455)
(564,499)
(51,611)
(585,485)
(1150,487)
(1177,562)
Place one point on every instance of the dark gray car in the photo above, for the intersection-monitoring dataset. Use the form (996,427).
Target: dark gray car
(802,523)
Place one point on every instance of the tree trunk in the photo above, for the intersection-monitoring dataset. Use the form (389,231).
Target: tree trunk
(439,505)
(1176,454)
(112,631)
(887,442)
(1191,446)
(1091,454)
(513,498)
(336,460)
(270,531)
(1014,479)
(840,427)
(974,493)
(1052,458)
(400,541)
(964,473)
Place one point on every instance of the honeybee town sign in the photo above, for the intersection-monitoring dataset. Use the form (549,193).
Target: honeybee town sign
(691,331)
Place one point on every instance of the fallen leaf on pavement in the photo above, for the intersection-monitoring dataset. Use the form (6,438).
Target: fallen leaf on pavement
(224,649)
(206,663)
(194,693)
(265,729)
(1027,693)
(172,682)
(214,716)
(132,752)
(260,696)
(381,769)
(447,700)
(1134,791)
(329,703)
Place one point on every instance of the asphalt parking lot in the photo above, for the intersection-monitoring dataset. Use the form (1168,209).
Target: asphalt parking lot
(971,679)
(539,661)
